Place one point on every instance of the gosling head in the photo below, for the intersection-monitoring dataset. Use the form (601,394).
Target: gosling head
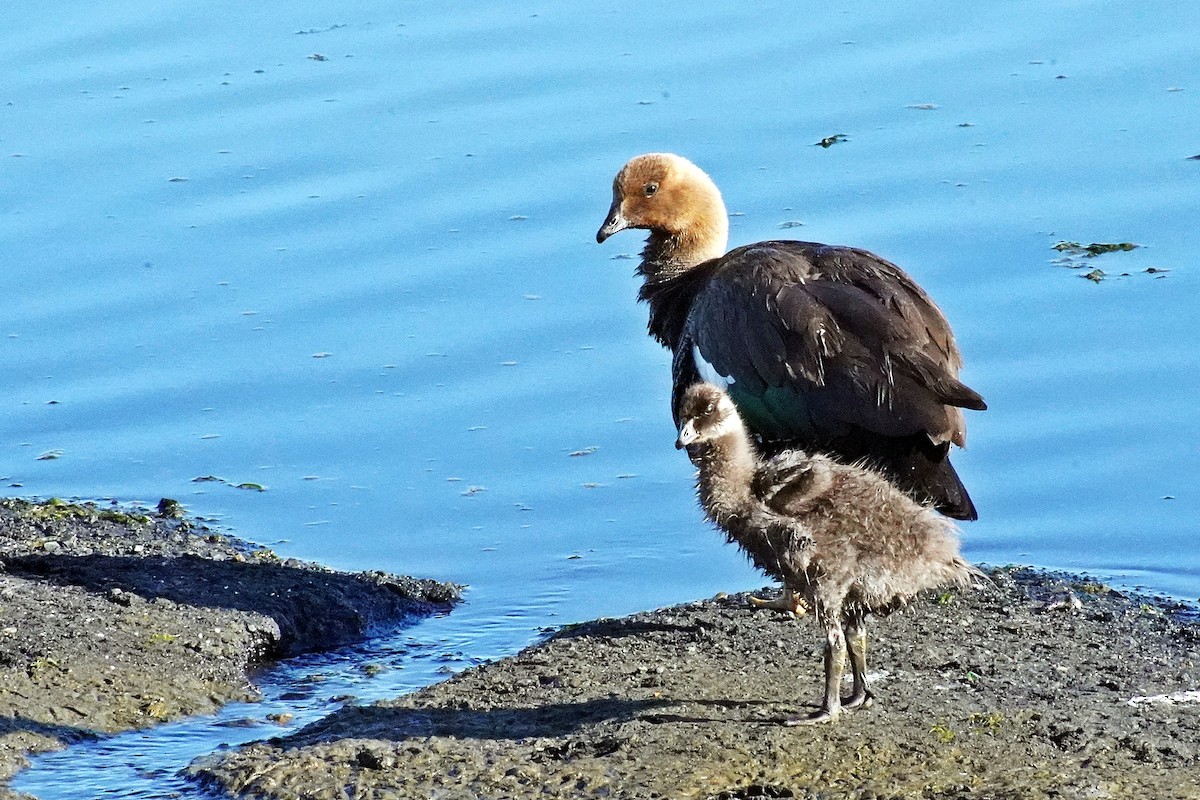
(706,413)
(669,195)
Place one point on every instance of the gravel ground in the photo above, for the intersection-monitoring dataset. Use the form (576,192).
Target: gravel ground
(1036,686)
(111,620)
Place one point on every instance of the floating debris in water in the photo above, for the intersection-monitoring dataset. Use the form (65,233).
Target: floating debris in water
(322,355)
(318,57)
(586,451)
(924,106)
(320,30)
(50,455)
(518,217)
(473,490)
(257,487)
(830,141)
(792,223)
(176,179)
(1077,255)
(1094,249)
(1194,158)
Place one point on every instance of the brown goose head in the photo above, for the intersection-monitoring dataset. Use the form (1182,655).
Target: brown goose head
(673,199)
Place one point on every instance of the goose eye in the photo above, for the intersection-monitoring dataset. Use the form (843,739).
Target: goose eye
(650,189)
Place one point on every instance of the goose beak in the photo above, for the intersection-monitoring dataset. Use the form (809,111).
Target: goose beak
(687,435)
(615,221)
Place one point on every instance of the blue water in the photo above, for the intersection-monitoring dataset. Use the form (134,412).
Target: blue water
(346,252)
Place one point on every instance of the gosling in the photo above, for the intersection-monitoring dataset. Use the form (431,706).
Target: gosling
(841,536)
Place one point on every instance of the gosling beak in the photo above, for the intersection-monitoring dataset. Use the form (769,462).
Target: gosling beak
(615,221)
(687,435)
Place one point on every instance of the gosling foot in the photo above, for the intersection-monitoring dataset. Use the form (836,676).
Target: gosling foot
(788,601)
(815,718)
(852,703)
(856,701)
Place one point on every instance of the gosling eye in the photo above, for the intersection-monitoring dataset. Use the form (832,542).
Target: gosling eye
(650,189)
(709,409)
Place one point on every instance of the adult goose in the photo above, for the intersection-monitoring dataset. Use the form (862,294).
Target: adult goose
(830,349)
(842,536)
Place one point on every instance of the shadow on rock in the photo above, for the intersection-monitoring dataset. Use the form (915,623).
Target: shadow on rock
(66,734)
(314,609)
(619,628)
(397,724)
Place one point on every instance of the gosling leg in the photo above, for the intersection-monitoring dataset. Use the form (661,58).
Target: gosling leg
(790,601)
(856,648)
(835,665)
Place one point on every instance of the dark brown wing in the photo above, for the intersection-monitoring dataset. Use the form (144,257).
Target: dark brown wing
(836,349)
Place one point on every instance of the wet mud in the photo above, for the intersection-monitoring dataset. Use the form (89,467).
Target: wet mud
(1035,686)
(112,621)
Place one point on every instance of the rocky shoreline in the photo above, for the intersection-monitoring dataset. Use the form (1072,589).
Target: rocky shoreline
(1034,685)
(113,620)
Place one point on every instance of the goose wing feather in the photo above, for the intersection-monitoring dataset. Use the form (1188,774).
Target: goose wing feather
(848,339)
